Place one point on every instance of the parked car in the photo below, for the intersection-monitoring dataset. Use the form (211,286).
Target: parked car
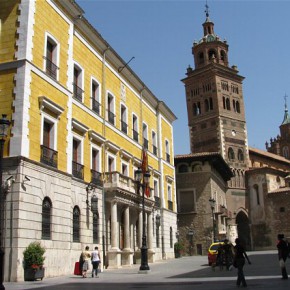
(212,252)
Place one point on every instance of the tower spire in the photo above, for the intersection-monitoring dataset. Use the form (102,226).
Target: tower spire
(286,119)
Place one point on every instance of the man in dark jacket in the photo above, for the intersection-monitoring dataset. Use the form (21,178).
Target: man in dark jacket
(283,252)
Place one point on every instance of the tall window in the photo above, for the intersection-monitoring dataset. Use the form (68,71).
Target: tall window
(51,58)
(145,136)
(46,219)
(167,150)
(111,109)
(77,167)
(154,143)
(124,125)
(78,83)
(76,224)
(241,155)
(231,154)
(135,128)
(95,95)
(256,189)
(95,170)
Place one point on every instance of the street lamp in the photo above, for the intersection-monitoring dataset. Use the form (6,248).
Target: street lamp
(4,125)
(142,180)
(212,205)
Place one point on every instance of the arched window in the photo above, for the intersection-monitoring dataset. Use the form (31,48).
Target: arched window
(76,224)
(201,57)
(183,168)
(96,228)
(256,189)
(194,109)
(231,154)
(211,54)
(196,168)
(210,104)
(241,155)
(224,102)
(238,109)
(46,219)
(228,104)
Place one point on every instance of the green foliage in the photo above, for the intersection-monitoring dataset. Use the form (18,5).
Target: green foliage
(34,255)
(178,246)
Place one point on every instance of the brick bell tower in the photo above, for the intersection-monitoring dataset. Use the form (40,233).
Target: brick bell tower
(215,106)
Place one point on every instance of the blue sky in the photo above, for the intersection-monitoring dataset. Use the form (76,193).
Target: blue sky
(160,34)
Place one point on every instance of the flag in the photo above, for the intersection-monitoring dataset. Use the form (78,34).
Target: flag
(144,158)
(147,191)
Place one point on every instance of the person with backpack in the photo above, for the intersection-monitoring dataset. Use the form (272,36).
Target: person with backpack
(283,253)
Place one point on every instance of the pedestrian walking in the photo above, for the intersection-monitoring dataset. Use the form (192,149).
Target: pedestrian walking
(283,252)
(86,255)
(239,262)
(96,260)
(228,254)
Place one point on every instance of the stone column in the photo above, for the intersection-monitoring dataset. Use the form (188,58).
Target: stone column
(139,245)
(114,254)
(151,251)
(127,253)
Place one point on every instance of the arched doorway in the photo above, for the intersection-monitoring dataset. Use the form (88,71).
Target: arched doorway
(243,228)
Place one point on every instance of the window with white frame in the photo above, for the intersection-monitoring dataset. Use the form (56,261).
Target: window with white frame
(167,150)
(111,163)
(145,136)
(154,143)
(78,83)
(51,57)
(96,166)
(48,141)
(125,169)
(111,108)
(156,188)
(124,122)
(135,128)
(169,197)
(95,96)
(77,158)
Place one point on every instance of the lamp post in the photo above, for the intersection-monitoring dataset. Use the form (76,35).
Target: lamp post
(212,205)
(142,180)
(4,125)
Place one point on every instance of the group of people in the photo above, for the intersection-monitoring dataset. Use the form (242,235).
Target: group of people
(87,256)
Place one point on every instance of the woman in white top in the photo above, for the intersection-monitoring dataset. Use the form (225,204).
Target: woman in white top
(96,260)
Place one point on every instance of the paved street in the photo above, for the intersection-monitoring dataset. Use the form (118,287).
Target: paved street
(188,272)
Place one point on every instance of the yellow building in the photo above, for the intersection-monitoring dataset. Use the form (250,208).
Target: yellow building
(80,118)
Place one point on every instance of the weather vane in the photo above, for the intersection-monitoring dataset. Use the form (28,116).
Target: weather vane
(206,9)
(285,98)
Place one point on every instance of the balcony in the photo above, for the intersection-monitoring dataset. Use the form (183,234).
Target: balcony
(111,117)
(78,92)
(170,205)
(154,150)
(48,156)
(96,106)
(157,201)
(77,170)
(96,178)
(124,127)
(135,135)
(51,68)
(145,143)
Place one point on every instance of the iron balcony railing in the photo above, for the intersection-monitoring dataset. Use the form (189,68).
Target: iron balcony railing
(77,170)
(96,106)
(111,117)
(157,201)
(154,150)
(96,177)
(48,156)
(51,68)
(145,143)
(124,127)
(167,157)
(170,205)
(135,135)
(78,92)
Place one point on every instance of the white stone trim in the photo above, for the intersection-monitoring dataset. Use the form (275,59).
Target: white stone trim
(45,102)
(79,126)
(53,121)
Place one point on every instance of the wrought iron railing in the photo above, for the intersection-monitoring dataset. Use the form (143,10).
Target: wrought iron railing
(111,117)
(96,106)
(157,201)
(145,143)
(124,127)
(78,92)
(167,157)
(170,205)
(48,156)
(135,135)
(51,68)
(96,177)
(77,170)
(154,150)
